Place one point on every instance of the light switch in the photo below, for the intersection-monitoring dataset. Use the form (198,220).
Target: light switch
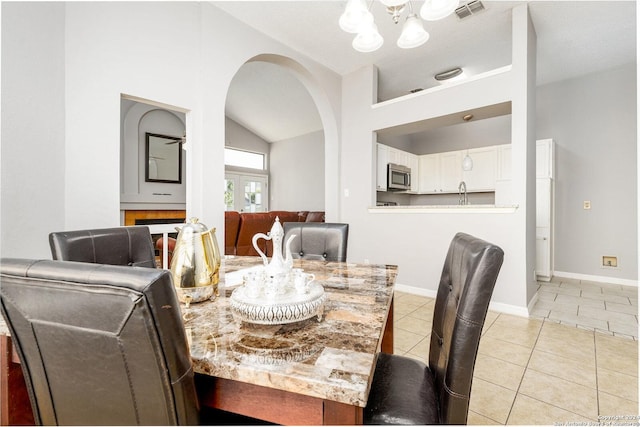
(586,204)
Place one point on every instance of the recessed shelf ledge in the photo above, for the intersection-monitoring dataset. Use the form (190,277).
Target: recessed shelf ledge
(449,209)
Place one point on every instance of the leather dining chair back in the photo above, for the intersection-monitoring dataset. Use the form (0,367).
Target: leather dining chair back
(99,344)
(318,240)
(115,246)
(407,391)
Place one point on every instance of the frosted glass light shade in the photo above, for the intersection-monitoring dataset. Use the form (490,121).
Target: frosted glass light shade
(368,39)
(467,163)
(413,33)
(392,3)
(432,10)
(355,15)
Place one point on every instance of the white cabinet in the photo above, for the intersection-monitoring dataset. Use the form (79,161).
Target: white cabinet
(398,157)
(429,180)
(440,173)
(382,158)
(450,171)
(544,228)
(414,164)
(386,155)
(482,177)
(545,158)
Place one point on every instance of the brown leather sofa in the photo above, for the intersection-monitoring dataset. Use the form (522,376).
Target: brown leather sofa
(240,227)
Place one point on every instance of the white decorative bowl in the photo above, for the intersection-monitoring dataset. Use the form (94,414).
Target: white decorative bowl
(288,308)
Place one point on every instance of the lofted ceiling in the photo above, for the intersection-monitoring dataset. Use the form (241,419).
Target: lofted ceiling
(574,38)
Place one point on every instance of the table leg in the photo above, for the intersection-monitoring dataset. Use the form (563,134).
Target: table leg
(15,407)
(387,337)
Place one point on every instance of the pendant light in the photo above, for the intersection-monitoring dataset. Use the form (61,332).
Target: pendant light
(413,32)
(368,38)
(467,162)
(355,14)
(432,10)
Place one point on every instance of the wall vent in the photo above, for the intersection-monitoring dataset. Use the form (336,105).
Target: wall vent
(468,9)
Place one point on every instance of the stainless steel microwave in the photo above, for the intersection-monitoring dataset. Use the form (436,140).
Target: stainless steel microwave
(398,177)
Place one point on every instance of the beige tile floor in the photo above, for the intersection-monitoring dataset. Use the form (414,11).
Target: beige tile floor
(605,308)
(534,370)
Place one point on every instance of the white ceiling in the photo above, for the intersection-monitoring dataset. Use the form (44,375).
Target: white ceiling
(574,38)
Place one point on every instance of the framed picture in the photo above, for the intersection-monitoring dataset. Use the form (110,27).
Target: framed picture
(163,158)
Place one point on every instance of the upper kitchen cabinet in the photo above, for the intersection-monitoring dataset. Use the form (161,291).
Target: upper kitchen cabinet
(382,159)
(440,173)
(482,177)
(386,155)
(414,165)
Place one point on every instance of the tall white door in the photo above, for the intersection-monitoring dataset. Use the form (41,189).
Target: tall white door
(246,193)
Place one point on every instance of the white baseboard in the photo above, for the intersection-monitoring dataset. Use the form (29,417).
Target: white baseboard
(600,279)
(493,306)
(416,291)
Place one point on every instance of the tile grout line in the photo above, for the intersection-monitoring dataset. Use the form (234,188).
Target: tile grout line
(524,372)
(595,360)
(547,403)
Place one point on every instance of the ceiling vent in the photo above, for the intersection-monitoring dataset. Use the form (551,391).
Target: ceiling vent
(469,9)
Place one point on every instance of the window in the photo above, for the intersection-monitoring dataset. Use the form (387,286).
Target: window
(244,159)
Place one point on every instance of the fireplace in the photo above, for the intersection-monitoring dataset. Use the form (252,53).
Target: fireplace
(146,217)
(155,217)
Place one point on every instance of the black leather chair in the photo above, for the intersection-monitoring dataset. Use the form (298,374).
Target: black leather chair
(406,391)
(115,246)
(318,240)
(99,344)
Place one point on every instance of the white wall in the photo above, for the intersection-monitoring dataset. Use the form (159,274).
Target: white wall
(593,121)
(237,136)
(418,242)
(178,54)
(296,175)
(33,122)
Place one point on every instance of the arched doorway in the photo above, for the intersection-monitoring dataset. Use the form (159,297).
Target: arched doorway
(277,99)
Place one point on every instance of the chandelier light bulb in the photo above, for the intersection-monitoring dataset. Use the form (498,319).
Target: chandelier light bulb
(368,39)
(392,3)
(413,33)
(432,10)
(355,14)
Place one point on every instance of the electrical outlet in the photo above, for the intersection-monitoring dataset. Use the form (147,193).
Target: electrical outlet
(609,261)
(586,204)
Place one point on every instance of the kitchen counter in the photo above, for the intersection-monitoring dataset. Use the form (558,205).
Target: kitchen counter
(449,209)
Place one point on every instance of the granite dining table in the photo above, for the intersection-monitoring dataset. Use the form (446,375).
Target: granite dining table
(316,371)
(309,372)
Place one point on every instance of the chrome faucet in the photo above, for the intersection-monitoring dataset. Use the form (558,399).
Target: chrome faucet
(463,199)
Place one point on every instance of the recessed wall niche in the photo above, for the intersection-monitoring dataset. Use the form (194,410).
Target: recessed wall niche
(138,119)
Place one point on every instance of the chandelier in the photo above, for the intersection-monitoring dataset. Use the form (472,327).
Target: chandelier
(358,19)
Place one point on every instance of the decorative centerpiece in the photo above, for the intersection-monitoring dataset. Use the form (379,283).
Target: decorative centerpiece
(277,293)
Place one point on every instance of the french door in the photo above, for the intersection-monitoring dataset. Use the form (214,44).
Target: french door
(246,192)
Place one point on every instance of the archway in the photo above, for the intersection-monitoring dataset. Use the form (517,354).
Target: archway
(293,178)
